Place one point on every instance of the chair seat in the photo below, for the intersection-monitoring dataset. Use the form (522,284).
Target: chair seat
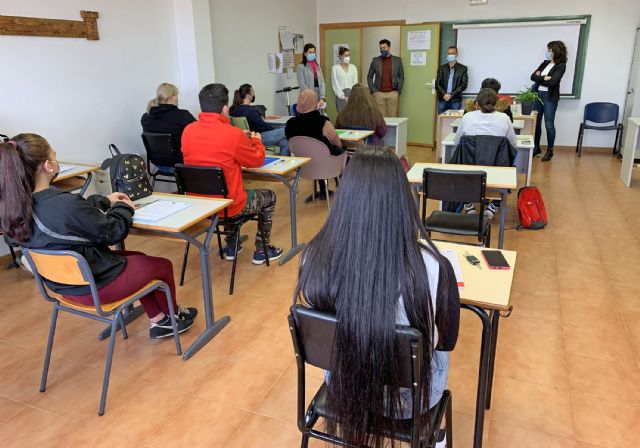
(107,307)
(166,170)
(403,433)
(612,127)
(456,223)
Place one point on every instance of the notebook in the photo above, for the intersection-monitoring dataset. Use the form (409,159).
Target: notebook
(452,256)
(155,211)
(268,160)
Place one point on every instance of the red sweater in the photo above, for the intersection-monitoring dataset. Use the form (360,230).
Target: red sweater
(212,141)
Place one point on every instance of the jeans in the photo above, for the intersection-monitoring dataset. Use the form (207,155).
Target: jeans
(444,106)
(262,202)
(546,110)
(276,137)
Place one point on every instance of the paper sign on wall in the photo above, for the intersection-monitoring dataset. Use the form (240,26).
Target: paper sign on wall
(286,40)
(336,52)
(274,62)
(287,59)
(418,58)
(419,40)
(298,43)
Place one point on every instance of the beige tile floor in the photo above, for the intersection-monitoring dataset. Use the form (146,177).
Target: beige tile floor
(567,372)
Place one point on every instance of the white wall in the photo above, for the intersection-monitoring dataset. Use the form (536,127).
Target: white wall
(613,25)
(244,31)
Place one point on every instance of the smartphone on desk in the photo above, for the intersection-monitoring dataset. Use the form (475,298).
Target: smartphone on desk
(495,259)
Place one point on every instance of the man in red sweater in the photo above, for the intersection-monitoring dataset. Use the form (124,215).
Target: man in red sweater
(212,141)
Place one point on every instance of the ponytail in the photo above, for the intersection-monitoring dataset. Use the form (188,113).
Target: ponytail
(163,93)
(238,96)
(20,159)
(153,103)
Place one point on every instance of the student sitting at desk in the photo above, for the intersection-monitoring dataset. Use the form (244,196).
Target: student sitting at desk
(212,141)
(241,107)
(310,123)
(361,112)
(504,101)
(163,115)
(486,121)
(373,284)
(38,216)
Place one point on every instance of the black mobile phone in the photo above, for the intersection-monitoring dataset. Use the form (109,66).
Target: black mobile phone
(495,259)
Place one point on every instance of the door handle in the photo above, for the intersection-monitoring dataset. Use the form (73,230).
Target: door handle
(431,84)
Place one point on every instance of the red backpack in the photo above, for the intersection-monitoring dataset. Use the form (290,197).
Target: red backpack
(531,209)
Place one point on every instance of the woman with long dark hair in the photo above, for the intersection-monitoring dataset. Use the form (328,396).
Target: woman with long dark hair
(361,112)
(367,266)
(309,74)
(35,215)
(547,78)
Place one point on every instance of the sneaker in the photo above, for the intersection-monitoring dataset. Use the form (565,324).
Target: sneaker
(230,253)
(186,313)
(469,209)
(259,256)
(490,211)
(163,328)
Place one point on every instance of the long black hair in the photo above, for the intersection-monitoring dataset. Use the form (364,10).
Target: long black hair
(306,48)
(238,95)
(365,256)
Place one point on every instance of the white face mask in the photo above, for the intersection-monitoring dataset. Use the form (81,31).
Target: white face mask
(346,59)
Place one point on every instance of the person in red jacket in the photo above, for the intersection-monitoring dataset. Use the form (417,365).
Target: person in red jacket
(213,141)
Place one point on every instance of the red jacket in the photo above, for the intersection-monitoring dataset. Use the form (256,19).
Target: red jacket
(212,141)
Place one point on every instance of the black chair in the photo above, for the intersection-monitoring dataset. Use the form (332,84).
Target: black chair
(313,334)
(601,113)
(456,186)
(163,154)
(210,181)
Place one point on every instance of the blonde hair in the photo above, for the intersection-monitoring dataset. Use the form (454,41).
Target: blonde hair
(163,93)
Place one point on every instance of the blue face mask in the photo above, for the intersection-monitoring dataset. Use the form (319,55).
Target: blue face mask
(547,55)
(311,57)
(451,57)
(384,53)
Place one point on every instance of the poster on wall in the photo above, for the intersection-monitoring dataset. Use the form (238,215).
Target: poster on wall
(336,51)
(298,43)
(287,59)
(286,40)
(274,63)
(418,58)
(419,40)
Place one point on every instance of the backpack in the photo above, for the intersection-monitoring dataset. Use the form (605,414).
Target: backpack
(128,174)
(531,209)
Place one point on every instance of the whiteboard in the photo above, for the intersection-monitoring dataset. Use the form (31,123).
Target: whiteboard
(511,52)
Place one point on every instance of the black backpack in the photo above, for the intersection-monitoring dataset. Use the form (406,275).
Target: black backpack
(128,174)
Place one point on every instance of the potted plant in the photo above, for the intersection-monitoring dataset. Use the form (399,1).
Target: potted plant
(527,97)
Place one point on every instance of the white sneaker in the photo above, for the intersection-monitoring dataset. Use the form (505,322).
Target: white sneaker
(491,210)
(469,209)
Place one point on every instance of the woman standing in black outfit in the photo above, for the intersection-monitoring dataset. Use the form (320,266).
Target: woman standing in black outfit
(547,78)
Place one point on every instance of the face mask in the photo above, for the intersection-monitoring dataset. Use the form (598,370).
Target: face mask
(384,53)
(346,59)
(547,55)
(311,57)
(451,57)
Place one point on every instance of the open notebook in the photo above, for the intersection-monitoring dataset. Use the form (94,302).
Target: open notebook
(157,210)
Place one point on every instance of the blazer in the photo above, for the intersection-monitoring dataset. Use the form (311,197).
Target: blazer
(305,79)
(556,73)
(374,77)
(460,81)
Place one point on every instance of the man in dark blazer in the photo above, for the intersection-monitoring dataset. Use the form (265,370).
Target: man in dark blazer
(451,82)
(385,80)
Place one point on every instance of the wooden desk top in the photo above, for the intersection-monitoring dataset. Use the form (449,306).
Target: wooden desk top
(523,141)
(395,121)
(497,176)
(349,135)
(201,208)
(287,165)
(487,288)
(78,169)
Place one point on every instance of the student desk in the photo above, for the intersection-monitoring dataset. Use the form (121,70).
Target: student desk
(444,127)
(524,146)
(187,225)
(353,135)
(277,121)
(631,149)
(518,125)
(486,292)
(287,171)
(500,179)
(75,170)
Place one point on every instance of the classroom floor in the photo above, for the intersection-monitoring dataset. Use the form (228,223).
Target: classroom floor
(567,372)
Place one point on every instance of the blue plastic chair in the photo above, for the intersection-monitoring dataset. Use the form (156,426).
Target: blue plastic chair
(601,113)
(294,109)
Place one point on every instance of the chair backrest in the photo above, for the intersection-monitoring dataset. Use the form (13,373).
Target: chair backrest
(240,122)
(161,149)
(204,180)
(294,109)
(323,165)
(454,185)
(313,334)
(601,112)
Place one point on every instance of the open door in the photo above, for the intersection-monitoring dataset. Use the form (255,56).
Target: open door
(418,99)
(350,37)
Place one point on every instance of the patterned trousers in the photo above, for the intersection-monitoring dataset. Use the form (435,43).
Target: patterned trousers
(262,202)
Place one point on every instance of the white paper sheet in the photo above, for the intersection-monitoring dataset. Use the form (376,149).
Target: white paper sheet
(418,58)
(419,40)
(452,256)
(157,210)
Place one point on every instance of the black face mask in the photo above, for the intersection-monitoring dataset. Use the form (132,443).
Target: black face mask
(253,99)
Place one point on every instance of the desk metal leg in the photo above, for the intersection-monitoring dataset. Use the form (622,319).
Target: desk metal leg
(293,193)
(485,351)
(213,327)
(495,319)
(503,216)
